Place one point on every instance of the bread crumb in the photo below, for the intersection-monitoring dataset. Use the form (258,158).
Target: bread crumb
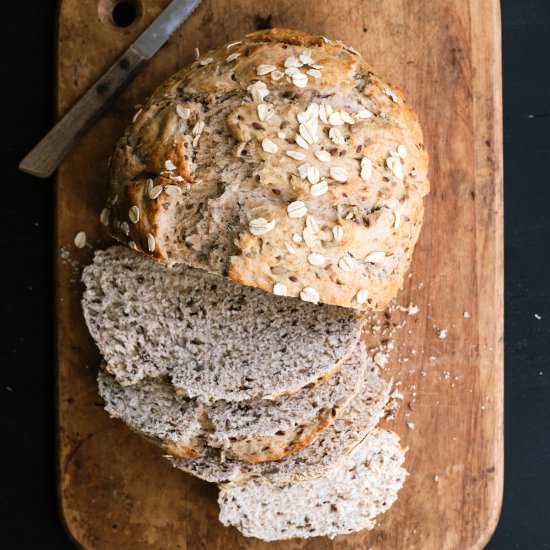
(410,425)
(436,478)
(466,314)
(442,334)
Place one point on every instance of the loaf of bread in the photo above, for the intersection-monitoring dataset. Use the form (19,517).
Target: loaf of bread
(253,431)
(328,450)
(281,161)
(345,500)
(214,339)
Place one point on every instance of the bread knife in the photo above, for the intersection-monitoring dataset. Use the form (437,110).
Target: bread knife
(46,156)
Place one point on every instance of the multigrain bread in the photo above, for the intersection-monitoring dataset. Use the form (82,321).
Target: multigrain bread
(347,499)
(325,452)
(251,431)
(281,161)
(213,338)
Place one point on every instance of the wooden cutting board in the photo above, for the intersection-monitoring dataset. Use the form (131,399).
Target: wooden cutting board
(115,490)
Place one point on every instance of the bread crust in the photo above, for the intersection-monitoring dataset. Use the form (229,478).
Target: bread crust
(378,209)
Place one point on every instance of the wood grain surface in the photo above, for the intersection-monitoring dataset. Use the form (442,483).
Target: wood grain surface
(115,490)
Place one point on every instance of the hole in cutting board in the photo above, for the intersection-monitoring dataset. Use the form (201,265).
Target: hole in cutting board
(119,13)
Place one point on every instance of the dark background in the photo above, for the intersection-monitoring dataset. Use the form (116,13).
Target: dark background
(28,512)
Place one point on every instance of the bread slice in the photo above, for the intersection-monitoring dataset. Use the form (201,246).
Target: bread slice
(252,431)
(309,182)
(214,339)
(347,499)
(324,454)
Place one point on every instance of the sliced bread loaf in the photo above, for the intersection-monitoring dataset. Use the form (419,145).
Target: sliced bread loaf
(347,499)
(253,431)
(214,338)
(325,453)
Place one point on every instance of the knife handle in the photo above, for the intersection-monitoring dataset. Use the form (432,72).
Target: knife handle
(46,156)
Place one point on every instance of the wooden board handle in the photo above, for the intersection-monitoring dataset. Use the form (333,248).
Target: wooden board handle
(47,155)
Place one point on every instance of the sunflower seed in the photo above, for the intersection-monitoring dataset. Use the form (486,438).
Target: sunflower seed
(258,90)
(319,188)
(336,136)
(303,170)
(269,146)
(366,169)
(206,61)
(309,294)
(361,296)
(402,151)
(151,244)
(132,245)
(316,259)
(172,190)
(296,209)
(183,112)
(265,111)
(232,57)
(346,263)
(309,238)
(296,155)
(155,192)
(125,228)
(104,216)
(277,75)
(80,239)
(315,73)
(375,257)
(301,142)
(133,214)
(169,165)
(260,226)
(231,44)
(148,186)
(135,117)
(279,289)
(364,113)
(323,156)
(338,173)
(338,233)
(297,238)
(265,69)
(293,71)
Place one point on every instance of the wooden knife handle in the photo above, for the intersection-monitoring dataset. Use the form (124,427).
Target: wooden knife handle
(46,156)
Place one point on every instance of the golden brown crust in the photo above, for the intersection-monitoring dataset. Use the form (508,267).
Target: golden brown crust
(379,211)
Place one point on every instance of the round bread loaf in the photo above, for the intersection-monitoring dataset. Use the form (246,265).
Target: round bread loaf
(281,161)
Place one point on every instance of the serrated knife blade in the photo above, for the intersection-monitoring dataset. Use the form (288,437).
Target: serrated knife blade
(46,156)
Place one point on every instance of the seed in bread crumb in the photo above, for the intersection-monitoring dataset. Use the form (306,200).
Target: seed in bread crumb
(442,334)
(269,146)
(104,216)
(316,259)
(296,155)
(315,73)
(261,226)
(233,44)
(361,296)
(319,188)
(290,248)
(336,136)
(133,214)
(263,69)
(391,94)
(297,238)
(296,209)
(323,156)
(312,225)
(277,75)
(169,165)
(183,112)
(265,111)
(232,57)
(151,243)
(364,114)
(375,257)
(155,192)
(346,263)
(132,245)
(466,314)
(80,239)
(338,173)
(309,294)
(279,289)
(125,228)
(301,142)
(410,425)
(172,190)
(206,61)
(338,233)
(366,169)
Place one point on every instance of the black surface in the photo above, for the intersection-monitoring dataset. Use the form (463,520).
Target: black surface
(28,509)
